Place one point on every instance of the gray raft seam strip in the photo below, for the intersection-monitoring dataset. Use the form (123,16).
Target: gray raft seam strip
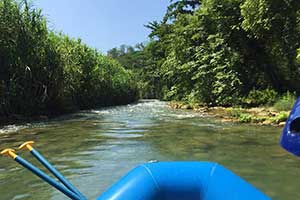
(150,173)
(211,173)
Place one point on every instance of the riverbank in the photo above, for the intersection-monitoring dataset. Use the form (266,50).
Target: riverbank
(255,115)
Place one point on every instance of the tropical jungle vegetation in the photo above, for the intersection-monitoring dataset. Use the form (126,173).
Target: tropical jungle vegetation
(219,52)
(210,52)
(48,73)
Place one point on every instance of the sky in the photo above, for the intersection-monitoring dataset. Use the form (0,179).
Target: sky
(103,24)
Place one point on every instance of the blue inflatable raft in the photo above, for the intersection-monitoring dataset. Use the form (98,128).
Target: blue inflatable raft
(155,181)
(290,138)
(182,181)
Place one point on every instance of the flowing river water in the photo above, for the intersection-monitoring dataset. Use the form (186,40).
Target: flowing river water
(94,148)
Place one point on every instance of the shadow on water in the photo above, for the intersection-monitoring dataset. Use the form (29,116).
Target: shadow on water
(94,148)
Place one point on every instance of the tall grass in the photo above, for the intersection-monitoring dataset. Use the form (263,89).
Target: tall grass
(285,102)
(42,72)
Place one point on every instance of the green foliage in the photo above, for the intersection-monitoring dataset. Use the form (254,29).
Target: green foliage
(260,97)
(47,73)
(245,117)
(215,52)
(216,79)
(139,60)
(29,61)
(276,31)
(180,7)
(281,117)
(235,112)
(298,57)
(285,102)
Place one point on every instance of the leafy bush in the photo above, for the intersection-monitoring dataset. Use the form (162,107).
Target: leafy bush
(281,117)
(260,97)
(245,118)
(235,112)
(285,102)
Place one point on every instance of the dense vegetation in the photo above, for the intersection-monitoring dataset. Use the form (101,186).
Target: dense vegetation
(45,73)
(228,52)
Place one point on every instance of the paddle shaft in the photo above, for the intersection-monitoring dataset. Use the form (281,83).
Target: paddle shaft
(56,173)
(46,178)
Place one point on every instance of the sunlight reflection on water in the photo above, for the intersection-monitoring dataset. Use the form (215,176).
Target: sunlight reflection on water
(94,148)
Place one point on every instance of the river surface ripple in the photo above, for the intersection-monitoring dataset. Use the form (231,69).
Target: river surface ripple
(94,148)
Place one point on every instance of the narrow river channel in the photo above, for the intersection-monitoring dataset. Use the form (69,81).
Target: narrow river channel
(94,148)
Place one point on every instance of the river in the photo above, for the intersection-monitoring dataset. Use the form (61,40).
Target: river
(94,148)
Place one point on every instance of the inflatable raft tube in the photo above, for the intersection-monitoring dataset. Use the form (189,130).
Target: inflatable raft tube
(290,138)
(182,181)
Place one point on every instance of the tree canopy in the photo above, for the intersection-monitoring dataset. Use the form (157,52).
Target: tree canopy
(221,52)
